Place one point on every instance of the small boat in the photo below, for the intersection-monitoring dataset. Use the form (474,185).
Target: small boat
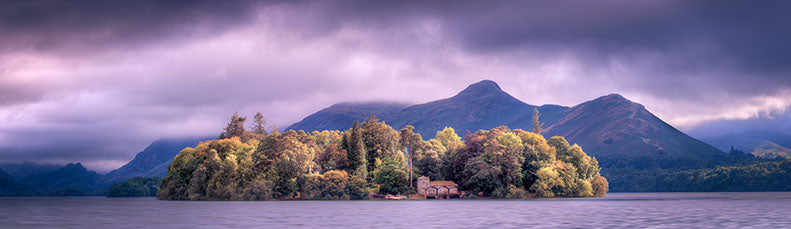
(397,197)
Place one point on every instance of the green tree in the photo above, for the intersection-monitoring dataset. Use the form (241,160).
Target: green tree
(391,178)
(334,185)
(449,139)
(381,141)
(357,189)
(355,148)
(413,144)
(133,187)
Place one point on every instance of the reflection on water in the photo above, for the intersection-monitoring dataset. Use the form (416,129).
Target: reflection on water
(631,210)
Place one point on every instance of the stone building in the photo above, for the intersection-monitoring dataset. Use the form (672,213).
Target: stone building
(437,189)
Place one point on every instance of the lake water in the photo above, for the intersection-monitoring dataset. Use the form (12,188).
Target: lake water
(629,210)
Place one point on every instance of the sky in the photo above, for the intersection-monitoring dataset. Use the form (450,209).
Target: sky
(97,81)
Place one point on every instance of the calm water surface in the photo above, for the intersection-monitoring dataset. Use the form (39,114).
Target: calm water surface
(619,210)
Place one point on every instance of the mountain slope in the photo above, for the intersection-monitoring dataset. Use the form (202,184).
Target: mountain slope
(769,149)
(482,105)
(23,170)
(341,116)
(11,187)
(763,144)
(760,134)
(621,133)
(71,176)
(153,161)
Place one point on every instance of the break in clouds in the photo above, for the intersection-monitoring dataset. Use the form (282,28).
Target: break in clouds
(96,81)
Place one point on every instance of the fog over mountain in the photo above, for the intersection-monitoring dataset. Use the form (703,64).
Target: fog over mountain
(763,133)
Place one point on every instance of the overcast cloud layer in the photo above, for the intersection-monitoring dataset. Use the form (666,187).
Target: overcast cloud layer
(96,81)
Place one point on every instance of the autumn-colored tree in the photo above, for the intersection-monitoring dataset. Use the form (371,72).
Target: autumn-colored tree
(449,139)
(500,163)
(537,124)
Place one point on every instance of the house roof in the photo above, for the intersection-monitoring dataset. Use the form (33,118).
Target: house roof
(442,183)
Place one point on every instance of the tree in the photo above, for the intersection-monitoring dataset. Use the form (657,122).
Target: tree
(500,162)
(537,125)
(355,149)
(392,179)
(412,143)
(381,141)
(259,124)
(334,185)
(235,128)
(138,186)
(357,189)
(600,186)
(449,139)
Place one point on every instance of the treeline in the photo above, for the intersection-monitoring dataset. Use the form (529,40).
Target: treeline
(135,187)
(373,157)
(756,176)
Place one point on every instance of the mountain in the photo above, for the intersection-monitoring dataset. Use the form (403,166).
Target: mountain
(763,134)
(341,116)
(152,161)
(769,149)
(74,179)
(11,187)
(482,105)
(621,133)
(765,144)
(71,176)
(24,170)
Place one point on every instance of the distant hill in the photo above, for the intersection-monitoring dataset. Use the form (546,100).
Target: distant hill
(152,161)
(760,144)
(619,132)
(71,176)
(24,170)
(341,116)
(769,149)
(11,187)
(74,179)
(764,134)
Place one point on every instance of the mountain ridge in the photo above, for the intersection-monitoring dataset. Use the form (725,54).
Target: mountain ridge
(153,161)
(620,132)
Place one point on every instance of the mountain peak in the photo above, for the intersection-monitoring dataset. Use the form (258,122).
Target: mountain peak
(613,98)
(74,166)
(482,87)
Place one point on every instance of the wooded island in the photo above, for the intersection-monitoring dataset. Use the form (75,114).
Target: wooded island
(373,158)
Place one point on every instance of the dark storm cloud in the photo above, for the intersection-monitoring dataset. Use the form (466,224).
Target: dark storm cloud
(77,25)
(737,46)
(754,32)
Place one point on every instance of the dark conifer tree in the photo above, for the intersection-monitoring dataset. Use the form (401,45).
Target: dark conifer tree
(355,147)
(235,128)
(259,124)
